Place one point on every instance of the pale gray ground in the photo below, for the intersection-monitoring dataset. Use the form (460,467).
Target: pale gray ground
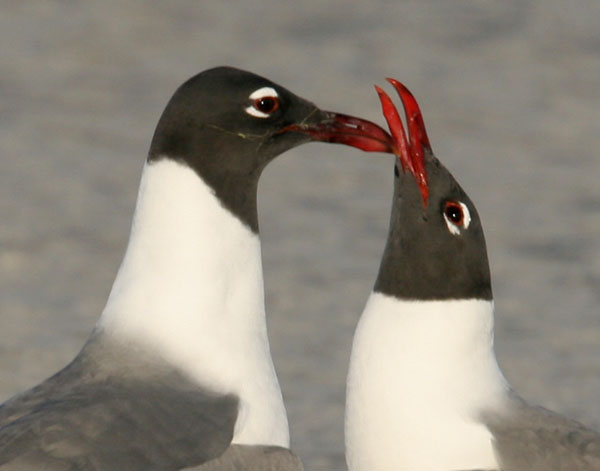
(509,91)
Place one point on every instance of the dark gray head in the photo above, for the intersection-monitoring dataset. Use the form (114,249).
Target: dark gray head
(436,248)
(227,124)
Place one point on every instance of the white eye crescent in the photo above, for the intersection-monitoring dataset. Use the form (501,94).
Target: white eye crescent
(265,101)
(457,216)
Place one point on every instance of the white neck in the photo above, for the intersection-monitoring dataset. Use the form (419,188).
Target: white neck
(190,289)
(420,374)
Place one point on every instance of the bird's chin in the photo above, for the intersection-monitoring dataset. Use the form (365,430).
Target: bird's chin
(281,142)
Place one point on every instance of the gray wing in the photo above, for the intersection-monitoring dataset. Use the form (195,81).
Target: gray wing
(536,439)
(247,457)
(72,422)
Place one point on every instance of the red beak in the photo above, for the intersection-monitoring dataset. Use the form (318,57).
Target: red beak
(343,129)
(410,150)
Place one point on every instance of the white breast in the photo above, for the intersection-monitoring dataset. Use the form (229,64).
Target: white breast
(190,288)
(419,375)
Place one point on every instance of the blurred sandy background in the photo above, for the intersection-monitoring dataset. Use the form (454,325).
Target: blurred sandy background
(510,93)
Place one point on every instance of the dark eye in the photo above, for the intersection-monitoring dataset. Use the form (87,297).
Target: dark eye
(267,104)
(454,212)
(457,216)
(265,101)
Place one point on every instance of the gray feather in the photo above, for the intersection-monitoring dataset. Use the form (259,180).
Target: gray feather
(139,415)
(535,439)
(246,457)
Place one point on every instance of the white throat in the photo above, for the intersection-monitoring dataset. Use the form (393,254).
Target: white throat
(420,374)
(190,288)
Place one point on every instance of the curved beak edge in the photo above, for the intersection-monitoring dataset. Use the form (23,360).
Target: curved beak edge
(348,130)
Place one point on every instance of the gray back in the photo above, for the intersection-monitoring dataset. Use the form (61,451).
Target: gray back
(535,439)
(246,457)
(136,416)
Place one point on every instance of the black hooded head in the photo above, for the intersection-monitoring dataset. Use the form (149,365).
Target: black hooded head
(435,251)
(435,248)
(228,124)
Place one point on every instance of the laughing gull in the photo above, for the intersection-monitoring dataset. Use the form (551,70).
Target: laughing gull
(177,371)
(424,388)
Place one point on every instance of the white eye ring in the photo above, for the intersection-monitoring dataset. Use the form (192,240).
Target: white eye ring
(263,92)
(453,227)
